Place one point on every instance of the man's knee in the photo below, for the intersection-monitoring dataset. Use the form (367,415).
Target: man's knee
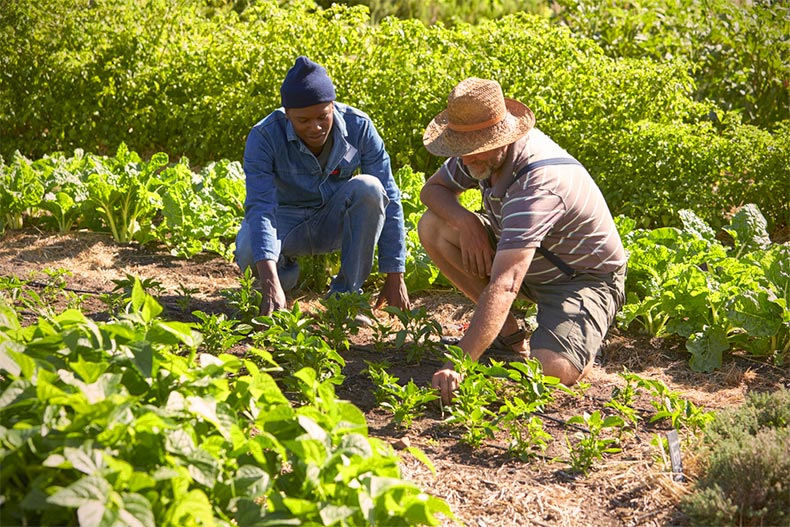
(369,190)
(427,227)
(556,365)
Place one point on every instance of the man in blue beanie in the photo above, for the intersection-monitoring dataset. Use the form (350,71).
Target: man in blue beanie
(319,181)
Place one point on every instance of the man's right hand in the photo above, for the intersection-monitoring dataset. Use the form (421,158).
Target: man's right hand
(271,290)
(476,251)
(446,381)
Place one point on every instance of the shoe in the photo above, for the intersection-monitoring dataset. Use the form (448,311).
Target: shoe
(363,320)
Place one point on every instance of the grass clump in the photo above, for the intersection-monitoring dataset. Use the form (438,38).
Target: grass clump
(745,476)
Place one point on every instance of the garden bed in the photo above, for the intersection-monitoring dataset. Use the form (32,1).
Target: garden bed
(485,486)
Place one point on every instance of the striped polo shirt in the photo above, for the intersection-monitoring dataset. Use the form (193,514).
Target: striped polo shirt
(556,205)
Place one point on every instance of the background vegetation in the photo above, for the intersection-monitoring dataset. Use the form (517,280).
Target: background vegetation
(682,107)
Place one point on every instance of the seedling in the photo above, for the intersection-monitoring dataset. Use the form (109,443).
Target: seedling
(185,294)
(470,407)
(420,330)
(591,446)
(245,301)
(340,317)
(406,402)
(219,333)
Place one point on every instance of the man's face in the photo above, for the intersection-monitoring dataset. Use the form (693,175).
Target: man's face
(312,123)
(482,165)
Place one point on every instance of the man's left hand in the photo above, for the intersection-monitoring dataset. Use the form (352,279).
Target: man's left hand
(394,293)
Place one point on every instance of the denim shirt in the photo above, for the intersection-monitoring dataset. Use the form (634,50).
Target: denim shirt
(281,170)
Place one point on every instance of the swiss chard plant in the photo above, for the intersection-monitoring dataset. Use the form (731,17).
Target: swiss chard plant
(687,283)
(124,193)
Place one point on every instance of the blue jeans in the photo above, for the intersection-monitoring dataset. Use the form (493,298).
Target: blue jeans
(351,222)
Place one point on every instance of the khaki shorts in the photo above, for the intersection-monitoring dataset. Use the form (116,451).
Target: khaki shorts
(573,314)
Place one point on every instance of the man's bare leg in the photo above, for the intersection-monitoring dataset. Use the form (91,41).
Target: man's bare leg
(442,243)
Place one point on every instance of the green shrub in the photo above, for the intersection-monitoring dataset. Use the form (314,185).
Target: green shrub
(191,80)
(738,52)
(746,468)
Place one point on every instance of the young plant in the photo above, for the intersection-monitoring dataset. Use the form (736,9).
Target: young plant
(293,345)
(670,405)
(421,331)
(219,333)
(528,392)
(406,402)
(341,317)
(470,407)
(245,301)
(185,294)
(590,446)
(381,333)
(622,401)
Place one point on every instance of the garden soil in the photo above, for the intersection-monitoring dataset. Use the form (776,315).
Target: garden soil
(485,486)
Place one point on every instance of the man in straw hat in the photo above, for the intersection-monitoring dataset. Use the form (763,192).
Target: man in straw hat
(305,195)
(546,235)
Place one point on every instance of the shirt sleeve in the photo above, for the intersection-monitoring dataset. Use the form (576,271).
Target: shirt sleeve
(375,161)
(260,204)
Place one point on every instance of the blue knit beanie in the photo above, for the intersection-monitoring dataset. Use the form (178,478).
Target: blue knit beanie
(306,84)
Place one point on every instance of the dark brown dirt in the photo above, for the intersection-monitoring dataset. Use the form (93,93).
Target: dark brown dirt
(485,486)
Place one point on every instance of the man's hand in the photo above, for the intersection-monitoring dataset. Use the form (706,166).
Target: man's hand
(394,293)
(271,290)
(446,381)
(477,255)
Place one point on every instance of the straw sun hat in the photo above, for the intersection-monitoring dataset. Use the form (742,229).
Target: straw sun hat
(478,118)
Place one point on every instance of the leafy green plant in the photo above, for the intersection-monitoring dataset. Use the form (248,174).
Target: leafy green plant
(125,194)
(528,393)
(422,333)
(622,401)
(470,408)
(294,345)
(184,296)
(219,333)
(110,423)
(406,401)
(20,189)
(591,445)
(684,282)
(341,317)
(668,404)
(246,300)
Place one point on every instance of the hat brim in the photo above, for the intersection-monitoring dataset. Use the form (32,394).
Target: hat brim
(440,140)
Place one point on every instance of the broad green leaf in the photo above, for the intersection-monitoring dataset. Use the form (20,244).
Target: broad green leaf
(135,511)
(192,508)
(756,312)
(706,348)
(84,490)
(251,480)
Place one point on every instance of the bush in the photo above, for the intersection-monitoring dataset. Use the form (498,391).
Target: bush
(738,52)
(191,80)
(746,470)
